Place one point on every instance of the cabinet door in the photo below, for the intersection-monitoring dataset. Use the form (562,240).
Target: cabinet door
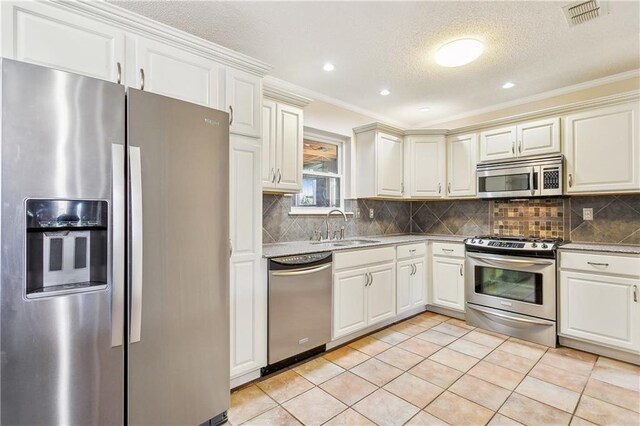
(381,293)
(418,284)
(539,137)
(289,148)
(448,283)
(389,158)
(602,150)
(426,166)
(498,144)
(45,35)
(403,285)
(248,292)
(269,174)
(600,309)
(349,302)
(243,100)
(461,170)
(159,68)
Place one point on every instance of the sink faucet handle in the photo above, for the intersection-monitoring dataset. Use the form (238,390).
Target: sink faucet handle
(317,235)
(342,232)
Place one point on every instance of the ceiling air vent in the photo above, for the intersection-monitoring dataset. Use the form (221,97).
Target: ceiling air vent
(581,12)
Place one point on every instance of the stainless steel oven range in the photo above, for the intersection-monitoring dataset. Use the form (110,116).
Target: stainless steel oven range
(510,286)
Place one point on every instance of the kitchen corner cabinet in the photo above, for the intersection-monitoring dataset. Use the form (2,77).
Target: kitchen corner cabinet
(364,289)
(282,143)
(447,279)
(425,173)
(461,165)
(602,150)
(46,35)
(248,288)
(384,152)
(541,137)
(411,277)
(600,299)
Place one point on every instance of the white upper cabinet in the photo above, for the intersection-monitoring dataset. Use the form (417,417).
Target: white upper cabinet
(379,163)
(602,150)
(46,35)
(268,173)
(461,165)
(540,137)
(159,68)
(425,166)
(243,101)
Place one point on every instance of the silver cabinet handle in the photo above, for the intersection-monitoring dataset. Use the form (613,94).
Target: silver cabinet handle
(273,173)
(520,147)
(117,264)
(230,115)
(230,247)
(415,269)
(461,265)
(598,264)
(119,73)
(137,258)
(366,279)
(370,278)
(570,180)
(449,187)
(141,79)
(513,147)
(635,293)
(439,188)
(279,175)
(306,271)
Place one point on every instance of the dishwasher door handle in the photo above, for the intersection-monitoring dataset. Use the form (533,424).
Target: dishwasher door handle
(298,272)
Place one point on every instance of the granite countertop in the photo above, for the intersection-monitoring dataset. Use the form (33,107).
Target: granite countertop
(609,248)
(304,247)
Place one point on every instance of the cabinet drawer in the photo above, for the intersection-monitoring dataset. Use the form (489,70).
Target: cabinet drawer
(448,249)
(411,250)
(353,259)
(602,263)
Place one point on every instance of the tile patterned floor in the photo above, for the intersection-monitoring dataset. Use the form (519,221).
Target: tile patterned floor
(435,370)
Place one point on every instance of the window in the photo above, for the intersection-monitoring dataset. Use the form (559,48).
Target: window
(322,177)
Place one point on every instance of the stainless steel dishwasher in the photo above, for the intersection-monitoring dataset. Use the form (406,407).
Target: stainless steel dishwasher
(299,307)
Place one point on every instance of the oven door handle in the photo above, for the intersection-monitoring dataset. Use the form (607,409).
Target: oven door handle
(508,317)
(489,259)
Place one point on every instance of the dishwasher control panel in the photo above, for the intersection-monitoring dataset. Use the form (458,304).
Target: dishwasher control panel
(302,259)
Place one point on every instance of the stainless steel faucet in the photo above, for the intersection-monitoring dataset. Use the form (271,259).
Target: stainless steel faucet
(326,223)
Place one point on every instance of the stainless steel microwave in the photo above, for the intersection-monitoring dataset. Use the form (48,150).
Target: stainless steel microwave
(537,177)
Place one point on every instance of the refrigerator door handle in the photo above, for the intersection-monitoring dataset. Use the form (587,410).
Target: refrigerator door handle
(136,243)
(117,245)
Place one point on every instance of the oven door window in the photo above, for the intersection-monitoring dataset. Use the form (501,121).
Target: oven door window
(522,286)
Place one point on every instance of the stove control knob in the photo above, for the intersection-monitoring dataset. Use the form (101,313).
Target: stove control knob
(534,245)
(473,241)
(544,246)
(480,242)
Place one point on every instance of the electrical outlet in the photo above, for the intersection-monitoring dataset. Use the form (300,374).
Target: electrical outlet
(587,213)
(357,212)
(370,213)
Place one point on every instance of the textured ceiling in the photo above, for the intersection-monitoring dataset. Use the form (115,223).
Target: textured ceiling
(376,45)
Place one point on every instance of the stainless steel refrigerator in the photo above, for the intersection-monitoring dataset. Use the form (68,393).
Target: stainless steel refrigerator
(115,245)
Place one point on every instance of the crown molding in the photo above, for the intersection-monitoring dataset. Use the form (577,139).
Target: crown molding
(377,126)
(131,21)
(426,132)
(541,96)
(330,100)
(277,93)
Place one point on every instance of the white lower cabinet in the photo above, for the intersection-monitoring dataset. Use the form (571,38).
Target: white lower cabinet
(410,284)
(447,279)
(364,289)
(599,300)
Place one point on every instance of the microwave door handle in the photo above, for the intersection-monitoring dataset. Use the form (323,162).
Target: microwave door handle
(136,243)
(117,245)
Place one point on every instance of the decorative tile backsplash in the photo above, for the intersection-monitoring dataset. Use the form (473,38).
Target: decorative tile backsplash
(616,218)
(535,217)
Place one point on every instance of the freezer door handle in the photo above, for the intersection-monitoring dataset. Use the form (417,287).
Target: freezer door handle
(117,245)
(136,243)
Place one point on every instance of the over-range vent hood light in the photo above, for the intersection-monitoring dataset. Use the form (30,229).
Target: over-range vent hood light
(581,12)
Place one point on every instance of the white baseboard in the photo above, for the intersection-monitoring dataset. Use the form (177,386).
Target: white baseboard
(244,378)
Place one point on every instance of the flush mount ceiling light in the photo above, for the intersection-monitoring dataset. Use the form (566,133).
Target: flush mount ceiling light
(385,92)
(508,85)
(328,67)
(425,109)
(459,52)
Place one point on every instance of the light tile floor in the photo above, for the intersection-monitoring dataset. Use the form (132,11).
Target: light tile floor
(435,370)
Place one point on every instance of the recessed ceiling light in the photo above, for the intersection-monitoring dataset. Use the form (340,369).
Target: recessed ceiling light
(385,92)
(459,52)
(328,67)
(425,109)
(508,85)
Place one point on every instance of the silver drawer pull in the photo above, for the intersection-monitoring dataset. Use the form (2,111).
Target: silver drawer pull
(598,264)
(449,250)
(412,250)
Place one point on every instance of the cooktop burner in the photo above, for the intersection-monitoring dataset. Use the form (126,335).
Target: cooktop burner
(507,243)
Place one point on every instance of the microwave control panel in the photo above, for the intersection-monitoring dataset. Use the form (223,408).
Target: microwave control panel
(551,179)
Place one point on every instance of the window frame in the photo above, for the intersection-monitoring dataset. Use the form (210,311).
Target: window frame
(341,145)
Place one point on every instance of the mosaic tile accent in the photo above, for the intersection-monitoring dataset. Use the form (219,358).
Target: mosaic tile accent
(536,217)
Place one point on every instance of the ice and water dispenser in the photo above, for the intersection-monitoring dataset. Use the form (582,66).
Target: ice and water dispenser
(67,246)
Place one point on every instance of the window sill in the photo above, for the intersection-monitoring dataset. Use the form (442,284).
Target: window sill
(314,212)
